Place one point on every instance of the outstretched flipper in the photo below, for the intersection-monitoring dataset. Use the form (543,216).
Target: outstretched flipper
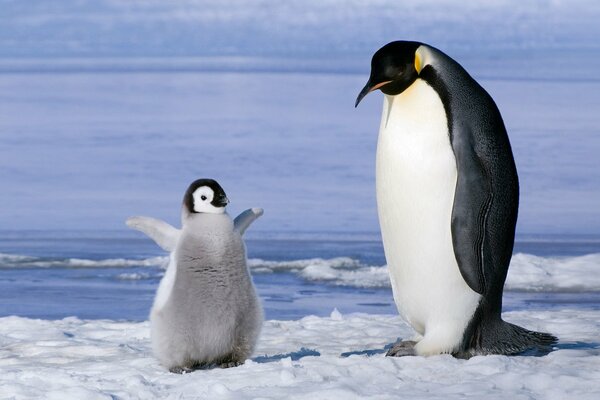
(162,233)
(243,221)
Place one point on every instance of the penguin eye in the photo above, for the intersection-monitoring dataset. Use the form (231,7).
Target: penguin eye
(203,197)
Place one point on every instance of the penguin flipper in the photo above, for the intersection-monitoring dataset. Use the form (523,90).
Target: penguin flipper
(472,203)
(243,221)
(165,235)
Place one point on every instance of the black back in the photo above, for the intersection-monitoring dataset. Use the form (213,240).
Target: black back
(486,200)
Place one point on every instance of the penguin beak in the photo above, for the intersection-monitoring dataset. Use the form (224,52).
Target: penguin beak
(369,87)
(221,201)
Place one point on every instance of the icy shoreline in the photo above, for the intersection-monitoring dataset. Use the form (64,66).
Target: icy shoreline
(527,272)
(317,358)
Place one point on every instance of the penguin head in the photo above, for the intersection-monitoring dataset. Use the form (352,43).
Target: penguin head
(394,68)
(205,196)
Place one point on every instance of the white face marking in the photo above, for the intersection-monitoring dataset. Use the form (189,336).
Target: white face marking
(202,199)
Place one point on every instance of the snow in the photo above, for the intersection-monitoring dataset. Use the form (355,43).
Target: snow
(311,358)
(528,272)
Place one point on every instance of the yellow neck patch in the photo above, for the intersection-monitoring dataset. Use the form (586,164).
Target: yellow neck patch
(418,62)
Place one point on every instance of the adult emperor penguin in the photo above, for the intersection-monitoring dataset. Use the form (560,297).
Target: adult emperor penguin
(206,311)
(447,198)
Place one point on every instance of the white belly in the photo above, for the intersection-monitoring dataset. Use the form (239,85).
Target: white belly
(416,179)
(166,284)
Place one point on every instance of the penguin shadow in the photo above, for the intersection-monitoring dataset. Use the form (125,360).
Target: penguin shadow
(594,346)
(304,352)
(294,355)
(591,346)
(368,352)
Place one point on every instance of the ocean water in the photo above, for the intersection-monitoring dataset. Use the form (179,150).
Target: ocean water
(85,150)
(114,275)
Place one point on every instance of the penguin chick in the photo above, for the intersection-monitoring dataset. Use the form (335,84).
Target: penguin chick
(206,312)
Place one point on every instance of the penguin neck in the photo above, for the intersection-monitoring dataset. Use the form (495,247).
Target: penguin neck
(413,107)
(208,222)
(439,61)
(444,75)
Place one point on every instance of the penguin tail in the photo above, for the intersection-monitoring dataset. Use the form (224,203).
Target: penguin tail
(529,342)
(501,337)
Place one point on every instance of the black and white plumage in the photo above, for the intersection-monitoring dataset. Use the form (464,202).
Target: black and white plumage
(206,311)
(447,194)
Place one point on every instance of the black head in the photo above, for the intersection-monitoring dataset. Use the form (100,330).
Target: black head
(205,195)
(393,69)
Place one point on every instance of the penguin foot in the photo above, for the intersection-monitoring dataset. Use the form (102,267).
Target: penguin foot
(181,370)
(229,364)
(222,363)
(402,349)
(463,355)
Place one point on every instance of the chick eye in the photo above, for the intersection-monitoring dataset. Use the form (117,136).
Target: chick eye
(203,197)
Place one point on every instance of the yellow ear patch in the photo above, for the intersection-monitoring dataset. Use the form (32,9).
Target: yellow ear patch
(418,62)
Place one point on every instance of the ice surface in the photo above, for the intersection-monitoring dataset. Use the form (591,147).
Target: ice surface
(312,358)
(526,272)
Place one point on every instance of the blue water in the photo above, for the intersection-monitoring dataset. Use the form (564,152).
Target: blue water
(101,292)
(58,292)
(86,150)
